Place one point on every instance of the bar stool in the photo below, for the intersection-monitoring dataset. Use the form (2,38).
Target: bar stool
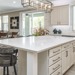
(8,57)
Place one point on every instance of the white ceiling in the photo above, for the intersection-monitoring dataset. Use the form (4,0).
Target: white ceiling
(10,5)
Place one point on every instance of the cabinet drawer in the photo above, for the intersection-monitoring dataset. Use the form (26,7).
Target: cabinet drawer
(54,59)
(66,46)
(73,43)
(58,72)
(54,67)
(54,51)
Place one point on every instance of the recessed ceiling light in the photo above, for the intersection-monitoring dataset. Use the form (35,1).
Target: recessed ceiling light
(14,2)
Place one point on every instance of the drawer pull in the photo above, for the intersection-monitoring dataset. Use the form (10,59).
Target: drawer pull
(56,51)
(64,47)
(66,53)
(56,67)
(56,59)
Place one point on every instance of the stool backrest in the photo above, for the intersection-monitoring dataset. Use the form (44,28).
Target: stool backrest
(7,53)
(14,34)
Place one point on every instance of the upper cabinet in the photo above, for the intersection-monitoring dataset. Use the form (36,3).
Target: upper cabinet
(60,15)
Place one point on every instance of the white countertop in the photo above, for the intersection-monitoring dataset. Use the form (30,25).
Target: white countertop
(68,34)
(36,44)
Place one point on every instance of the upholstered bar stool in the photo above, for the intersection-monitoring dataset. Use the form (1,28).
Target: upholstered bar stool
(8,57)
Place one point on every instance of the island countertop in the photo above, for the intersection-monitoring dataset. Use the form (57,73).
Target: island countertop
(37,43)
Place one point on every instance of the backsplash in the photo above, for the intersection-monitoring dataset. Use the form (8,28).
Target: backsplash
(66,29)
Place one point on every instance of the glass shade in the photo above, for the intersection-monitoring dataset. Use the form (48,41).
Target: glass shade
(38,4)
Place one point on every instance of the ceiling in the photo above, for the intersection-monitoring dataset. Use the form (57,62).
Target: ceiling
(11,5)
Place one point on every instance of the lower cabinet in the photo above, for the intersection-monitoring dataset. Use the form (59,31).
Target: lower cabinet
(67,58)
(73,43)
(61,59)
(55,61)
(64,62)
(58,72)
(54,67)
(72,56)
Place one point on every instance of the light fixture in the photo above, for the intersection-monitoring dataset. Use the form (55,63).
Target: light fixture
(14,2)
(43,5)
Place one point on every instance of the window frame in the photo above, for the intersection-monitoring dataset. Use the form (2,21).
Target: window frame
(30,27)
(2,23)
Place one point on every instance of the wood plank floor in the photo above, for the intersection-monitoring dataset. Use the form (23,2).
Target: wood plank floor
(71,71)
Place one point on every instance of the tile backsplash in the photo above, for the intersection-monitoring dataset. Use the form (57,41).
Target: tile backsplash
(66,29)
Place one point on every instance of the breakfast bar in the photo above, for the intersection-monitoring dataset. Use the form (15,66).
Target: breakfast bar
(42,55)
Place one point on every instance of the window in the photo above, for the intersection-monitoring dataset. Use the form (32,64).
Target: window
(74,18)
(0,24)
(23,24)
(31,21)
(4,22)
(38,20)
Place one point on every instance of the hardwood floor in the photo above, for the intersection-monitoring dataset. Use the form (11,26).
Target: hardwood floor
(71,71)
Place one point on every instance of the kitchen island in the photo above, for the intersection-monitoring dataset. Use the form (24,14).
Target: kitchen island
(43,55)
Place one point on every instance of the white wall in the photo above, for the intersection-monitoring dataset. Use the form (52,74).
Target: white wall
(13,15)
(66,29)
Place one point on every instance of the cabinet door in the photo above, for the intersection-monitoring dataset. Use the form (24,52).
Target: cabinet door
(68,58)
(64,62)
(64,15)
(72,56)
(54,16)
(60,15)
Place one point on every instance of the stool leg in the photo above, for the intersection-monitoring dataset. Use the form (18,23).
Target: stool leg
(15,70)
(7,71)
(3,70)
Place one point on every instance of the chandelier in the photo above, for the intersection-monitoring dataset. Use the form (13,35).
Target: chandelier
(43,5)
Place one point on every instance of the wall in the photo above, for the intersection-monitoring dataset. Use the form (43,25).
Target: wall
(12,14)
(17,13)
(66,29)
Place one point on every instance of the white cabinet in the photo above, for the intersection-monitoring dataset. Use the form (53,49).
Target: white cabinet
(64,62)
(64,15)
(54,67)
(54,16)
(61,58)
(72,53)
(60,15)
(55,61)
(58,72)
(68,64)
(67,57)
(73,43)
(54,51)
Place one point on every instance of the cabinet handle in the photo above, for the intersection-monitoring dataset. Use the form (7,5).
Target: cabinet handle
(56,59)
(56,67)
(66,53)
(56,51)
